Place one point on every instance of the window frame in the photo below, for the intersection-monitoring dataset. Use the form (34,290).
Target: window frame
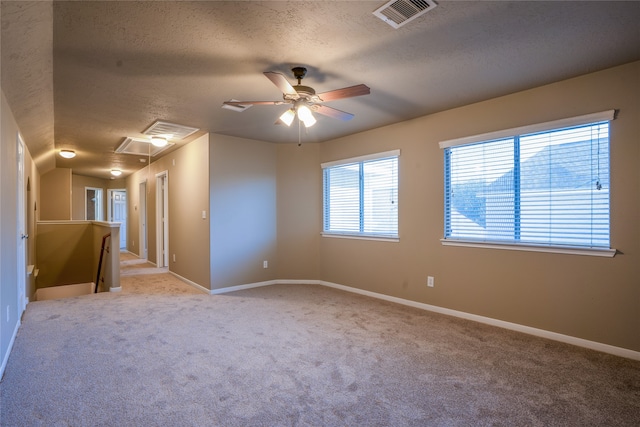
(586,119)
(360,160)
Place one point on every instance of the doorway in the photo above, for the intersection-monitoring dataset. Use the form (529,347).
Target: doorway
(117,212)
(162,219)
(22,234)
(142,220)
(93,210)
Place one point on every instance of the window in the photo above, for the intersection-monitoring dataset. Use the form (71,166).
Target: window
(544,185)
(361,196)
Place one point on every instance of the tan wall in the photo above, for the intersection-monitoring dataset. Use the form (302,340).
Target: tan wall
(69,253)
(55,195)
(188,177)
(299,211)
(243,211)
(65,253)
(593,298)
(188,198)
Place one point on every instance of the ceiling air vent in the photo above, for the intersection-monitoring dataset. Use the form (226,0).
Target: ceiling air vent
(398,12)
(170,130)
(140,147)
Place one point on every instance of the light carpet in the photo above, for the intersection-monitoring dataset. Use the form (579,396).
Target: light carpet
(164,354)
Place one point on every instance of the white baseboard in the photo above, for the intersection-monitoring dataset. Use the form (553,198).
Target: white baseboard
(5,359)
(115,289)
(247,286)
(567,339)
(189,282)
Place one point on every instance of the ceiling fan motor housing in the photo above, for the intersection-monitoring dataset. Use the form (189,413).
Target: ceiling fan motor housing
(299,73)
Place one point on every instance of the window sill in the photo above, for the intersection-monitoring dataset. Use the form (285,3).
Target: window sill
(361,237)
(570,250)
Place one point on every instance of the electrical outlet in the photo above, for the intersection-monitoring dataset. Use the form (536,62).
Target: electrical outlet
(174,257)
(265,264)
(430,281)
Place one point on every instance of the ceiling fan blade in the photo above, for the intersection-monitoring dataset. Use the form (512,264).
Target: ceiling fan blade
(254,102)
(345,92)
(281,82)
(332,112)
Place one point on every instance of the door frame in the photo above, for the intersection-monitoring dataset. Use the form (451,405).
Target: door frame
(21,235)
(162,219)
(99,208)
(142,220)
(110,201)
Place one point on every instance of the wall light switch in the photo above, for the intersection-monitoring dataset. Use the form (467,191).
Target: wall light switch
(204,214)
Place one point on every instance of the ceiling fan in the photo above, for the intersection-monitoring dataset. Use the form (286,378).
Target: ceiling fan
(303,99)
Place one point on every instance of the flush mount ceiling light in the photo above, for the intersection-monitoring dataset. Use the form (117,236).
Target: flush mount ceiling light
(159,141)
(116,172)
(67,154)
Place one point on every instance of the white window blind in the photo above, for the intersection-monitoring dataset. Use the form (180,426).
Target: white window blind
(544,188)
(361,196)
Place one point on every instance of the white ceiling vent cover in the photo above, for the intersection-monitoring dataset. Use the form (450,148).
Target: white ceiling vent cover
(399,12)
(170,130)
(140,147)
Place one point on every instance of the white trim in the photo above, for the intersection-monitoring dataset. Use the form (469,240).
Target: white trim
(374,156)
(538,127)
(116,289)
(359,237)
(189,282)
(554,336)
(570,250)
(247,286)
(5,359)
(162,226)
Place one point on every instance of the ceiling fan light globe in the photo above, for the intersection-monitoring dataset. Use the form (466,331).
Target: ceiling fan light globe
(309,121)
(116,172)
(287,117)
(304,112)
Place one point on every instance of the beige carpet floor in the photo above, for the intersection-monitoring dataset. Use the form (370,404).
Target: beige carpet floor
(162,353)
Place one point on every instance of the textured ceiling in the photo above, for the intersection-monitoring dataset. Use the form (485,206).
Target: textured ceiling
(84,74)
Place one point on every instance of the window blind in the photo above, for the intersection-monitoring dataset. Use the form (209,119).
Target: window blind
(542,188)
(360,196)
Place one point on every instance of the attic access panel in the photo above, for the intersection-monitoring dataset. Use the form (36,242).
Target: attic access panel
(140,147)
(170,130)
(399,12)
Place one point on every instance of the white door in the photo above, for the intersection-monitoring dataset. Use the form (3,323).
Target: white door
(22,233)
(118,213)
(142,219)
(162,219)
